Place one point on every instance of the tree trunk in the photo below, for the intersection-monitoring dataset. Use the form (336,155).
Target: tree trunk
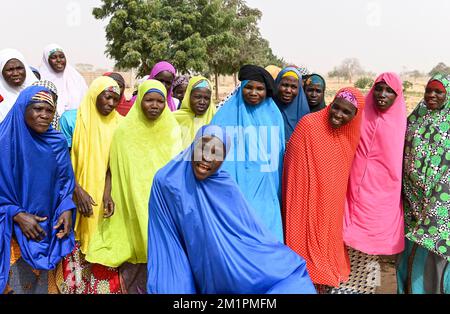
(235,79)
(216,77)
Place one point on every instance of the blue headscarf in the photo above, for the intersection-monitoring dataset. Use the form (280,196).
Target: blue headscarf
(293,112)
(204,238)
(256,166)
(35,177)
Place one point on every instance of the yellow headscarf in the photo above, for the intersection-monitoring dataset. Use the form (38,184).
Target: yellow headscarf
(188,121)
(273,70)
(90,154)
(139,148)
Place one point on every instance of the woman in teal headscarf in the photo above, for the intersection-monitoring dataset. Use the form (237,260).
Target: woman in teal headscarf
(423,266)
(315,92)
(258,143)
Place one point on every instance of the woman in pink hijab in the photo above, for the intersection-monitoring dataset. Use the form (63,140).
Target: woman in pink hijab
(373,222)
(165,73)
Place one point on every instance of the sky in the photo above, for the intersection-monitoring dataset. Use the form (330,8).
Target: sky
(385,35)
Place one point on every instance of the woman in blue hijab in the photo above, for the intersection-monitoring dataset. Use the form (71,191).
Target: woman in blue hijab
(36,185)
(290,98)
(255,160)
(203,236)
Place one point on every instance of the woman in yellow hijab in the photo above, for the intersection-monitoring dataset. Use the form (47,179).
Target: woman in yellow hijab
(197,108)
(97,120)
(145,141)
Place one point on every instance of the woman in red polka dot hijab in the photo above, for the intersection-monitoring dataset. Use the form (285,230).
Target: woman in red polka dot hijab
(317,166)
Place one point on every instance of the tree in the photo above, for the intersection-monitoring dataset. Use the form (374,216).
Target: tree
(407,85)
(349,68)
(209,36)
(440,68)
(364,82)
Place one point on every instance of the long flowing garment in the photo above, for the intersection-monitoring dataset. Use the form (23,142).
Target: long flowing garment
(36,177)
(204,237)
(255,161)
(293,112)
(373,221)
(316,169)
(70,84)
(189,122)
(8,93)
(90,156)
(139,148)
(423,266)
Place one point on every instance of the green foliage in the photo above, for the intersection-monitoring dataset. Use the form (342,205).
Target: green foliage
(364,82)
(207,36)
(407,85)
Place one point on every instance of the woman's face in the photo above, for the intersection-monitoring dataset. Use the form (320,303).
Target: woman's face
(14,73)
(434,98)
(341,112)
(166,78)
(38,117)
(314,94)
(179,91)
(153,105)
(384,96)
(208,156)
(57,61)
(107,102)
(288,89)
(200,100)
(254,93)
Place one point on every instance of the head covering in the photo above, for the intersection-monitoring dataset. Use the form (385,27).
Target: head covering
(316,79)
(222,248)
(43,97)
(161,67)
(256,164)
(436,85)
(188,121)
(273,70)
(293,112)
(36,177)
(124,106)
(316,169)
(180,80)
(303,70)
(348,96)
(139,148)
(9,93)
(426,175)
(71,85)
(90,154)
(35,72)
(51,87)
(373,221)
(251,72)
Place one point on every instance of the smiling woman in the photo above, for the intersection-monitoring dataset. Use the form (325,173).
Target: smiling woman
(317,166)
(15,76)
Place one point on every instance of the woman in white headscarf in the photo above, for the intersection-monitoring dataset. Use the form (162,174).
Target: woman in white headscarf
(70,84)
(15,76)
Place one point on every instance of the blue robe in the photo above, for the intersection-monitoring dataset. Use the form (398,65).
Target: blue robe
(36,177)
(297,109)
(204,238)
(256,165)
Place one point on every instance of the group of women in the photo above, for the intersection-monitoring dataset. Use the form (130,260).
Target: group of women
(271,191)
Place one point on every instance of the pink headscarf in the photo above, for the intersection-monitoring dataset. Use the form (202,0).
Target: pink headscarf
(373,221)
(158,68)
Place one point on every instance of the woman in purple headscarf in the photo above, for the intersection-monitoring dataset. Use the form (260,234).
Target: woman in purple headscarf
(165,73)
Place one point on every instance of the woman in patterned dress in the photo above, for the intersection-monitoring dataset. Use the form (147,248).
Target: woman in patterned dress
(423,266)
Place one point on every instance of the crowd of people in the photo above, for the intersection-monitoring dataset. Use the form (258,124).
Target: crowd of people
(269,191)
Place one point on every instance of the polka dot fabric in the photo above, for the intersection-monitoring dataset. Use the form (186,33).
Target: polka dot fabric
(317,166)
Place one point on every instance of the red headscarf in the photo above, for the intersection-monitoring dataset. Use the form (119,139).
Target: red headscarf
(316,169)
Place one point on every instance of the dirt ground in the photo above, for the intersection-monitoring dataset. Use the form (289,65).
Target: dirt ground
(388,278)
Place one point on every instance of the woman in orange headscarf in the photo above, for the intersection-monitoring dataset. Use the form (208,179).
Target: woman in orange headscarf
(317,166)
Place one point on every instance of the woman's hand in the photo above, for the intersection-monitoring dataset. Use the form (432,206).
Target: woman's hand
(84,201)
(29,224)
(66,220)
